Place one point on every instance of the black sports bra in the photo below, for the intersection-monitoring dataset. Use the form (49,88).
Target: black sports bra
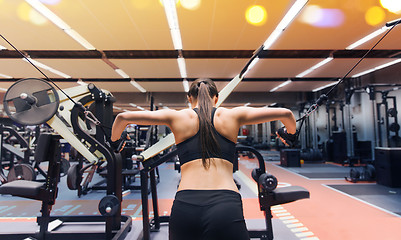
(191,149)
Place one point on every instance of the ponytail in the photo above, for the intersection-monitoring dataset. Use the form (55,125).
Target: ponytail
(204,90)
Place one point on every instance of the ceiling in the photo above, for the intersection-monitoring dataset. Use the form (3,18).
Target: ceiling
(217,43)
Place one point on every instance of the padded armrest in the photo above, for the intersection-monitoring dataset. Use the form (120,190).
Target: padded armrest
(22,188)
(288,194)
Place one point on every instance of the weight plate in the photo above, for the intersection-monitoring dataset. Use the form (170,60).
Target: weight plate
(72,177)
(21,172)
(109,205)
(44,106)
(65,166)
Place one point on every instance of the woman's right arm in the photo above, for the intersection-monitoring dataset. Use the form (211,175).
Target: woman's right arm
(249,116)
(160,117)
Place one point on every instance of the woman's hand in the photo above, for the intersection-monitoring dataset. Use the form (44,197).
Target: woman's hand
(287,138)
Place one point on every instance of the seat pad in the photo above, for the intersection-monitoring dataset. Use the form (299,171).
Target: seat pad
(22,188)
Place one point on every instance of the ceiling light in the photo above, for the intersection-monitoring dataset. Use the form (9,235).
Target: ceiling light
(172,19)
(132,104)
(2,48)
(77,37)
(325,86)
(121,73)
(377,68)
(42,9)
(3,89)
(5,76)
(185,84)
(313,68)
(41,65)
(291,14)
(281,85)
(118,108)
(367,38)
(182,67)
(139,87)
(251,65)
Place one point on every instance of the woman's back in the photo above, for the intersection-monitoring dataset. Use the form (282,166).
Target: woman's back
(193,173)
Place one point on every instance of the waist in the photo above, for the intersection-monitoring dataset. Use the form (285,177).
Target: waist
(217,177)
(207,197)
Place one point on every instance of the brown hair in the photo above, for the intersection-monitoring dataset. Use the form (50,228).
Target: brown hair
(204,90)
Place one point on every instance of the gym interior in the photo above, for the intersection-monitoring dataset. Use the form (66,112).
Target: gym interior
(67,68)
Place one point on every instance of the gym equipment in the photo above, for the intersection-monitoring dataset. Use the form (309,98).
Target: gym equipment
(35,101)
(365,173)
(388,166)
(71,112)
(109,205)
(21,172)
(311,155)
(270,195)
(290,157)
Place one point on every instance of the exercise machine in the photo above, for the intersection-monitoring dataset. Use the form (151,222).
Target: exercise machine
(36,102)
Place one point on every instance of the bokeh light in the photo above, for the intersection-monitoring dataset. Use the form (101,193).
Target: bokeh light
(393,6)
(322,17)
(375,15)
(27,13)
(23,11)
(37,18)
(190,4)
(140,4)
(256,15)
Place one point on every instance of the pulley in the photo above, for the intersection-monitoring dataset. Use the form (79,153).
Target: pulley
(35,101)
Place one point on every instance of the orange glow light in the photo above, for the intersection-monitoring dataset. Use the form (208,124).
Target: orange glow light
(256,15)
(375,15)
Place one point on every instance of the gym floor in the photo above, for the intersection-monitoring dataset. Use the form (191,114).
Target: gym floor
(337,209)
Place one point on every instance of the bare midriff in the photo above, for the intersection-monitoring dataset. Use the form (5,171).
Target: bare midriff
(218,176)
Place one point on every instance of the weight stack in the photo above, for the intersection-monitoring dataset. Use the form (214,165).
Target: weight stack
(290,158)
(388,166)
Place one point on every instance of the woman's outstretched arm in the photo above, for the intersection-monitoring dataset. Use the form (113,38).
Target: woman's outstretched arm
(160,117)
(249,115)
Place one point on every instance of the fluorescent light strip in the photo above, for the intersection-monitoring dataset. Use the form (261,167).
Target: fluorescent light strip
(3,89)
(42,9)
(185,84)
(251,65)
(5,76)
(182,67)
(41,65)
(281,85)
(132,104)
(313,68)
(2,48)
(288,18)
(377,68)
(121,73)
(325,86)
(77,37)
(139,87)
(367,38)
(172,19)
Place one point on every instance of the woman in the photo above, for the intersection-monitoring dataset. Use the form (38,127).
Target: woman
(207,204)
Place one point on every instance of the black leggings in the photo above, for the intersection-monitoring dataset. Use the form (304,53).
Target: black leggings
(207,215)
